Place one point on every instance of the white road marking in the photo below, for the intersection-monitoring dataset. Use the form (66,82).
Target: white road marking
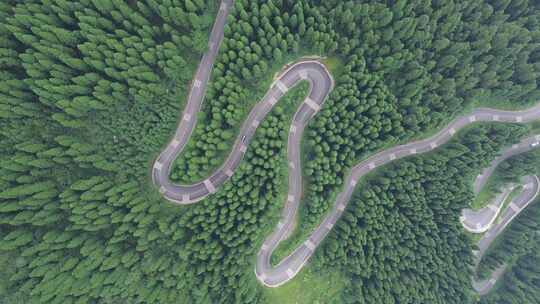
(329,226)
(492,281)
(312,104)
(281,86)
(291,164)
(515,146)
(371,166)
(229,172)
(309,244)
(528,186)
(185,198)
(290,273)
(264,247)
(255,123)
(290,198)
(293,128)
(452,131)
(514,207)
(495,117)
(493,208)
(433,145)
(175,143)
(209,186)
(162,189)
(223,6)
(272,101)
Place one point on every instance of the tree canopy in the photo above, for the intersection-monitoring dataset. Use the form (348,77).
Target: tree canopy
(90,91)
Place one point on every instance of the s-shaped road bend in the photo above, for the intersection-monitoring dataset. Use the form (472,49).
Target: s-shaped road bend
(483,220)
(531,187)
(321,84)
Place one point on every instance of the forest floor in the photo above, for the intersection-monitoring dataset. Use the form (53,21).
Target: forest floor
(308,288)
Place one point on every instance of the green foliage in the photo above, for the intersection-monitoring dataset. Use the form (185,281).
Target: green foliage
(417,66)
(400,237)
(248,50)
(410,67)
(520,283)
(518,166)
(90,90)
(308,287)
(519,248)
(518,239)
(9,291)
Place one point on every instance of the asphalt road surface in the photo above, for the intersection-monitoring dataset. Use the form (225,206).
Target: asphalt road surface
(520,202)
(483,220)
(162,166)
(292,264)
(479,221)
(483,287)
(321,83)
(529,192)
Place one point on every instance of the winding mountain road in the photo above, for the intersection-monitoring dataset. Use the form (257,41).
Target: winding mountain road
(320,85)
(480,221)
(162,165)
(529,192)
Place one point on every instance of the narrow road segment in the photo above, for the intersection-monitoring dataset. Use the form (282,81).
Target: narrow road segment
(483,220)
(320,85)
(529,192)
(479,221)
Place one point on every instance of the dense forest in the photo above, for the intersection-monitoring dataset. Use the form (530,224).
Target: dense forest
(519,249)
(410,66)
(519,246)
(90,91)
(520,283)
(400,238)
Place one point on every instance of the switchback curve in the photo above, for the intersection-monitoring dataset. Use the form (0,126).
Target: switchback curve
(321,83)
(531,187)
(485,217)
